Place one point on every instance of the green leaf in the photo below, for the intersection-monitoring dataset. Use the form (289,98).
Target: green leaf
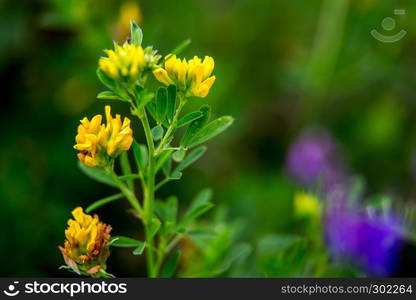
(162,159)
(123,241)
(141,155)
(170,265)
(211,130)
(138,92)
(160,209)
(178,49)
(97,174)
(147,97)
(196,125)
(154,227)
(157,132)
(136,33)
(201,198)
(161,104)
(151,107)
(106,80)
(178,155)
(104,274)
(176,175)
(109,95)
(126,168)
(191,158)
(102,202)
(188,118)
(167,167)
(239,252)
(171,211)
(274,243)
(143,98)
(171,103)
(138,89)
(128,177)
(199,205)
(202,235)
(167,212)
(139,250)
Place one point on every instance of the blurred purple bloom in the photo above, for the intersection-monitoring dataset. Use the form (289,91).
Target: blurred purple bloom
(372,242)
(314,157)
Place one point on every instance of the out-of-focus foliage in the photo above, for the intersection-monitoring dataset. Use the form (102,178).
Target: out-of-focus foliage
(283,68)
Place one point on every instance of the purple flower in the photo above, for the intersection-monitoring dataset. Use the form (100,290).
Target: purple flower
(314,158)
(371,242)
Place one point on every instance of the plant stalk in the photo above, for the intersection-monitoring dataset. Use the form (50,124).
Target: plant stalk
(127,193)
(149,195)
(172,126)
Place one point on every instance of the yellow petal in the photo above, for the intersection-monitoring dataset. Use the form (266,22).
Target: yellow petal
(81,156)
(78,214)
(108,113)
(203,89)
(162,76)
(95,124)
(111,147)
(90,162)
(208,64)
(182,69)
(170,62)
(126,143)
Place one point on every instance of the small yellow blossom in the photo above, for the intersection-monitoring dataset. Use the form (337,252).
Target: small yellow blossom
(85,249)
(306,205)
(192,77)
(125,63)
(99,143)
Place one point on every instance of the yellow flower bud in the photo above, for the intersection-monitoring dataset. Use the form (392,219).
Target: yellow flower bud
(124,63)
(162,76)
(193,78)
(99,143)
(306,205)
(85,249)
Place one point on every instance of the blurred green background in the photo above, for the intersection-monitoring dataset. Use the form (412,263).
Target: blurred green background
(281,67)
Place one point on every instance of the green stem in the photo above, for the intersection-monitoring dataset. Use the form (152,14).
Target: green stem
(127,193)
(162,183)
(165,249)
(149,193)
(172,243)
(130,176)
(155,255)
(148,207)
(160,254)
(172,126)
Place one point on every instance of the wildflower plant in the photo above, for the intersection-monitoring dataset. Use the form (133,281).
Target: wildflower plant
(125,71)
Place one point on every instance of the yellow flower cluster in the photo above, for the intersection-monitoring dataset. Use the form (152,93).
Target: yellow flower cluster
(124,62)
(193,77)
(98,143)
(85,249)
